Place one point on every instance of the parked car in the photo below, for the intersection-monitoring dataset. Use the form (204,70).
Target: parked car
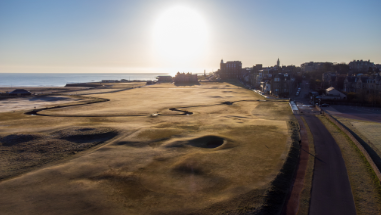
(325,105)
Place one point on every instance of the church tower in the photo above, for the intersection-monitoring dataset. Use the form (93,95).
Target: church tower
(278,62)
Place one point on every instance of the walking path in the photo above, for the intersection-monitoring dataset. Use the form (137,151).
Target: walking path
(292,205)
(331,190)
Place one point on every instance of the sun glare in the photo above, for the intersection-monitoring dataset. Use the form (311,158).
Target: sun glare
(180,35)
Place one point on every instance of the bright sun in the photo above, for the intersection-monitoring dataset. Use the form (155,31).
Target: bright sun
(180,35)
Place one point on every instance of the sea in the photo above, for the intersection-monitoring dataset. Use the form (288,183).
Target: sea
(61,79)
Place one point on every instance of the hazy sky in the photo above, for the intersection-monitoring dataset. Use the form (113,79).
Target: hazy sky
(123,35)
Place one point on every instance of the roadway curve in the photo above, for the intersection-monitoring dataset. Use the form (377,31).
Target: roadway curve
(331,191)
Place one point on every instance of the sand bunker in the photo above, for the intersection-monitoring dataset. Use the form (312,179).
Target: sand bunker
(202,142)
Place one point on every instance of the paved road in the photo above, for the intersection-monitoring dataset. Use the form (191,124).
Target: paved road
(331,192)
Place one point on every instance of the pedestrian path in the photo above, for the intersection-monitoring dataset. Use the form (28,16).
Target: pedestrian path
(331,191)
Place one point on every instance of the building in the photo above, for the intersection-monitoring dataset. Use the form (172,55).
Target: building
(20,92)
(185,78)
(363,84)
(329,79)
(278,63)
(332,93)
(315,66)
(164,78)
(281,84)
(257,67)
(230,69)
(349,84)
(360,65)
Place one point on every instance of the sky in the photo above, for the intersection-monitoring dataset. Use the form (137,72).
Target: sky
(183,35)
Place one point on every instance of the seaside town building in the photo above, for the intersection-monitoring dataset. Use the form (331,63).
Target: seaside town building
(315,66)
(281,84)
(230,69)
(360,65)
(164,78)
(363,84)
(185,78)
(332,94)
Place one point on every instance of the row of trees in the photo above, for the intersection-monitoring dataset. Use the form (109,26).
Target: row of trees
(363,97)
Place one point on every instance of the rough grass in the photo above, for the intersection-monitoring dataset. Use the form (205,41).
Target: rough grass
(306,193)
(22,152)
(363,138)
(364,184)
(371,130)
(227,156)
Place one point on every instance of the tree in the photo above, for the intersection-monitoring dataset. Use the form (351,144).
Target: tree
(312,83)
(341,68)
(370,70)
(317,83)
(351,96)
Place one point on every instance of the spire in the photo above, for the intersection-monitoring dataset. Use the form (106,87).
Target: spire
(278,62)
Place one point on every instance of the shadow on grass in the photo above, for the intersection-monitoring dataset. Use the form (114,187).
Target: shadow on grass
(234,82)
(186,84)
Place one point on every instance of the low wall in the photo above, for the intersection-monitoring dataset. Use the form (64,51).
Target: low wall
(357,143)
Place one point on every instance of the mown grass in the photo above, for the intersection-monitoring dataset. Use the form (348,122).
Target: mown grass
(365,186)
(306,193)
(372,150)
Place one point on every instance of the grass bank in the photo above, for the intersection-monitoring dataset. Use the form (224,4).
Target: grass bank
(305,197)
(277,195)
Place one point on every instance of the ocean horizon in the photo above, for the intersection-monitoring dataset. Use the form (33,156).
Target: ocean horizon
(61,79)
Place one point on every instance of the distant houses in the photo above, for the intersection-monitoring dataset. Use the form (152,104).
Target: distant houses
(280,84)
(365,84)
(185,78)
(230,69)
(164,79)
(332,94)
